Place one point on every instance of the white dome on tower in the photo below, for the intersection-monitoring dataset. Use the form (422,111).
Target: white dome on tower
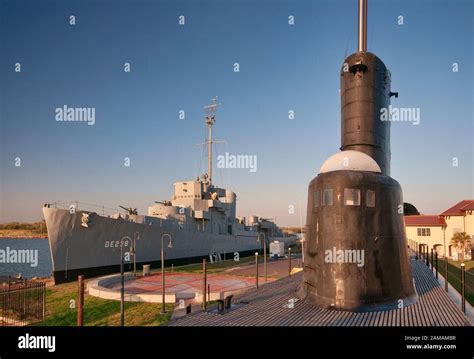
(350,161)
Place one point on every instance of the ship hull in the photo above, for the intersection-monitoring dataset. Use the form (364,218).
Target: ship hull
(96,249)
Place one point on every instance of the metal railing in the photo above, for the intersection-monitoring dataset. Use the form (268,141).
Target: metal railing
(22,302)
(460,278)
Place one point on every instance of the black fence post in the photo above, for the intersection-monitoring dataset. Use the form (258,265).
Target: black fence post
(432,261)
(446,273)
(208,292)
(463,287)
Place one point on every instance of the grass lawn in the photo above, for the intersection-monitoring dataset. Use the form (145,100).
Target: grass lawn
(454,276)
(103,312)
(97,311)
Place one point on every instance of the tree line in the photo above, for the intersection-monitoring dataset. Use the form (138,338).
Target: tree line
(35,226)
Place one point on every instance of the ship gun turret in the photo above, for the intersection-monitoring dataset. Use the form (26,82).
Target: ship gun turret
(130,210)
(164,203)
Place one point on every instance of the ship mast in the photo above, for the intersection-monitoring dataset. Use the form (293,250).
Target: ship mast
(362,33)
(210,120)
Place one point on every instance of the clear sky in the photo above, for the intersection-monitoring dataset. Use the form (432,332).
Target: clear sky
(175,68)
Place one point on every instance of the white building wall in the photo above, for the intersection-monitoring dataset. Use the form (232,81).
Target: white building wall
(454,224)
(434,240)
(462,224)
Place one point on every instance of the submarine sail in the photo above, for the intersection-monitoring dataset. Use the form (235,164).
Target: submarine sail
(356,250)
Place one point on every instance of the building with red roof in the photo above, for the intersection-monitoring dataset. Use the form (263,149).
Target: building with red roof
(424,220)
(436,231)
(460,208)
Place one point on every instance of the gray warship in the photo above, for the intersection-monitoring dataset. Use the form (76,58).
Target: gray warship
(199,221)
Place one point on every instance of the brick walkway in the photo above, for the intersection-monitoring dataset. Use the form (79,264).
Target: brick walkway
(185,282)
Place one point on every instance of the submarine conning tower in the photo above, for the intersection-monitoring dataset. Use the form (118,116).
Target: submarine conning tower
(365,91)
(355,248)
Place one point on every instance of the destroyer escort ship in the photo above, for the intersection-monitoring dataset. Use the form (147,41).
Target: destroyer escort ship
(199,221)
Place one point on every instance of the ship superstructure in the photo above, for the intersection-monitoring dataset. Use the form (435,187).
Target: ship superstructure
(198,221)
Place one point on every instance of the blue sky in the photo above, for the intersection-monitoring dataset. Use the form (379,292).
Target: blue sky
(177,68)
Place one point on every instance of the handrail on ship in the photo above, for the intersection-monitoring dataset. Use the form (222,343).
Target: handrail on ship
(66,204)
(111,211)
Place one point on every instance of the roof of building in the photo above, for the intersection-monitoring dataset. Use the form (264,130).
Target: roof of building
(469,206)
(423,220)
(459,208)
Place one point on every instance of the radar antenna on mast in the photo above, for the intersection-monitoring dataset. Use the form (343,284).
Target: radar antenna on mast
(210,120)
(210,110)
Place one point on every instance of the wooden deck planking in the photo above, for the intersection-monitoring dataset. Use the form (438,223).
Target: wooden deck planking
(268,306)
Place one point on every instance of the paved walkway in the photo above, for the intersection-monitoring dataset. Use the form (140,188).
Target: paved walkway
(275,268)
(276,304)
(176,283)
